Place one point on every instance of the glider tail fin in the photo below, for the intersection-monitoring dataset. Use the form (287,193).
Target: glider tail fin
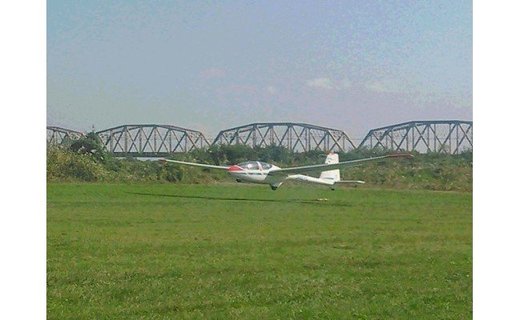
(333,175)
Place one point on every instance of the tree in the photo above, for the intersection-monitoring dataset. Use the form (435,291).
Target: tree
(91,145)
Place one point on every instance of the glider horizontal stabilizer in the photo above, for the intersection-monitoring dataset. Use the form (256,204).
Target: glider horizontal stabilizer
(351,181)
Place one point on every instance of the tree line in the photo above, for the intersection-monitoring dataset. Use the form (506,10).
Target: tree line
(87,160)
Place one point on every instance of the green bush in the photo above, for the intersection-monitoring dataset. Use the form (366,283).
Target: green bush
(67,165)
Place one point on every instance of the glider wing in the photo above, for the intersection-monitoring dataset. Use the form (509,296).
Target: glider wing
(194,164)
(325,167)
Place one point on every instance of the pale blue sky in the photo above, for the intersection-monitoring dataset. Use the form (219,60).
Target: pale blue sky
(351,65)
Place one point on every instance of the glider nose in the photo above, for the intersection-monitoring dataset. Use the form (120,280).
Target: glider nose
(234,168)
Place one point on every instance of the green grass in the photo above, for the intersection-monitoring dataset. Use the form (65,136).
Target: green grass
(164,251)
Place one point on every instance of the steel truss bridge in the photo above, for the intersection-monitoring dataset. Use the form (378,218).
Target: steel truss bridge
(297,137)
(449,136)
(151,140)
(61,136)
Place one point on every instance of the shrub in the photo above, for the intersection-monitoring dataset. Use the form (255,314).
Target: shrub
(67,165)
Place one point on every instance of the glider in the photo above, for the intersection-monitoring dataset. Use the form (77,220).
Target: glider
(266,173)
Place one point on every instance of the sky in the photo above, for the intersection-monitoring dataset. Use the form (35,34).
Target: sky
(205,65)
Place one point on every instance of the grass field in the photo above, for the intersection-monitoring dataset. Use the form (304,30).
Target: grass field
(165,251)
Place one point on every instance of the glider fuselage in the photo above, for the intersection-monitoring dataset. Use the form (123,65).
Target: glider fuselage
(253,171)
(258,172)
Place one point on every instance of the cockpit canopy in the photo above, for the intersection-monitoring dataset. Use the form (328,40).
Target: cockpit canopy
(255,165)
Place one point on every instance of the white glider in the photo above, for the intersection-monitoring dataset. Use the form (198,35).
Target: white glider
(266,173)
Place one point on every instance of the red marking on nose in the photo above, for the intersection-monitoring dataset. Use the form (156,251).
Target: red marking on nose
(235,168)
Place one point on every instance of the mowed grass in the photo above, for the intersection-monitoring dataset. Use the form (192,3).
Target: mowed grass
(165,251)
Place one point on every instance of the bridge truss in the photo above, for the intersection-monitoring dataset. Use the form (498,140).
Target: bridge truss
(58,136)
(150,140)
(450,136)
(297,137)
